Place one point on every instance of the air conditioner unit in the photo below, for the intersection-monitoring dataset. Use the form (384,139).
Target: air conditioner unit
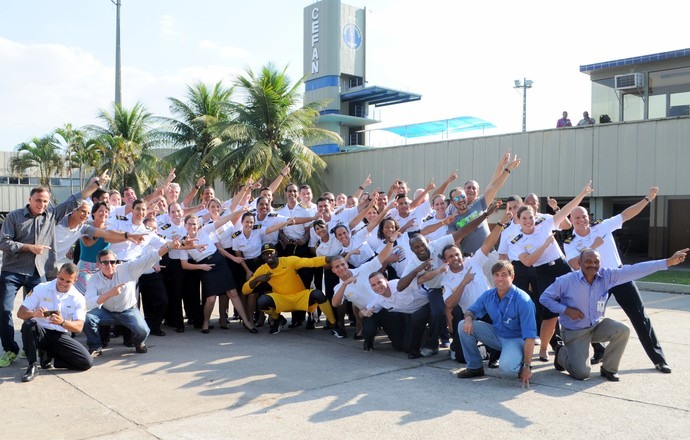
(629,81)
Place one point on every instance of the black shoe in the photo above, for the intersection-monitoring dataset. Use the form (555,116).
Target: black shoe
(310,324)
(357,337)
(493,363)
(129,344)
(596,358)
(556,365)
(469,373)
(414,355)
(327,326)
(367,346)
(45,360)
(277,325)
(250,330)
(95,352)
(295,324)
(663,367)
(31,373)
(141,348)
(613,377)
(158,332)
(339,332)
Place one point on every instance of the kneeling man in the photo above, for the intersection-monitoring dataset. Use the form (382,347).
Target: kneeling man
(513,330)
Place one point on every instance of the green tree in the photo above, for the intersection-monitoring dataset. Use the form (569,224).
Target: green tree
(40,154)
(270,129)
(190,131)
(126,143)
(80,152)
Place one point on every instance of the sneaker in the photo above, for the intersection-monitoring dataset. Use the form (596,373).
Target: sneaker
(95,352)
(328,326)
(428,352)
(7,359)
(445,342)
(295,324)
(21,354)
(141,348)
(338,332)
(537,341)
(277,325)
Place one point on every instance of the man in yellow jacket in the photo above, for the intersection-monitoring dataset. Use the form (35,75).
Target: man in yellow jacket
(288,291)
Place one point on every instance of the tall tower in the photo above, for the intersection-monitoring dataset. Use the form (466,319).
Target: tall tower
(335,71)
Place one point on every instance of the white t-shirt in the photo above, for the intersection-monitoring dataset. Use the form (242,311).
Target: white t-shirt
(608,251)
(473,290)
(435,249)
(531,242)
(360,293)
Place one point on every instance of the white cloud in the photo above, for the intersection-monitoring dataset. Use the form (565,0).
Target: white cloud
(168,27)
(49,85)
(223,51)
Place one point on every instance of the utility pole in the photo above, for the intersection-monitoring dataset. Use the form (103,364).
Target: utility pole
(526,84)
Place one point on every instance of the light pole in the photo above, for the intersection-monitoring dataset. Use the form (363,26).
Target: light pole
(526,84)
(118,80)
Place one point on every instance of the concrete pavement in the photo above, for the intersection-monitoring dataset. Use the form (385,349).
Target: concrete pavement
(307,384)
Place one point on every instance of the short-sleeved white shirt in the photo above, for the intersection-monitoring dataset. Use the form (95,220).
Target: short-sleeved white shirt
(530,242)
(71,304)
(473,290)
(608,251)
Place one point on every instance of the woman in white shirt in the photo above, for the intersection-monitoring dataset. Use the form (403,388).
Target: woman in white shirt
(215,274)
(536,246)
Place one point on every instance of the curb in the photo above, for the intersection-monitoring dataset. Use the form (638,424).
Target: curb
(663,287)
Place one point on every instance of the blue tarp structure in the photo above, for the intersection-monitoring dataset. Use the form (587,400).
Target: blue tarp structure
(431,128)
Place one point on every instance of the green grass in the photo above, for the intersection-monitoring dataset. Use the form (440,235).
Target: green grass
(669,276)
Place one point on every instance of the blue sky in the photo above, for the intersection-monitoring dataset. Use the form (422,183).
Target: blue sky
(57,58)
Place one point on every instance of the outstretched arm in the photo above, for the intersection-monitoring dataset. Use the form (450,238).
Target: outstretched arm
(499,180)
(635,209)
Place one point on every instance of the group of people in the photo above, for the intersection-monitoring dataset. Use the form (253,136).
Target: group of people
(585,121)
(425,267)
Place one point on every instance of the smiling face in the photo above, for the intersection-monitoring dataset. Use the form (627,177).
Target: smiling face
(262,207)
(471,190)
(305,195)
(439,204)
(419,246)
(389,227)
(340,268)
(192,226)
(590,261)
(458,198)
(379,284)
(403,205)
(101,214)
(291,194)
(129,196)
(580,219)
(214,209)
(38,202)
(115,199)
(503,279)
(81,213)
(321,230)
(342,234)
(512,207)
(208,194)
(247,224)
(526,220)
(270,257)
(176,213)
(65,281)
(107,264)
(138,213)
(453,258)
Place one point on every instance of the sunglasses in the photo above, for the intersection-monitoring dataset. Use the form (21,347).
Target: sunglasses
(460,197)
(110,262)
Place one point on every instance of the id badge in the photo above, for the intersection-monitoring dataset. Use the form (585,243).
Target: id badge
(601,305)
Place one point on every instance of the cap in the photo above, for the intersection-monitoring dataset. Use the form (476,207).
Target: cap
(267,247)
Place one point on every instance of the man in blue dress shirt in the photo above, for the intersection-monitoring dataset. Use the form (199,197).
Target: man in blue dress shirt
(513,330)
(580,299)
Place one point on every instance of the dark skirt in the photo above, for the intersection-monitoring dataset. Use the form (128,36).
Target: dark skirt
(219,279)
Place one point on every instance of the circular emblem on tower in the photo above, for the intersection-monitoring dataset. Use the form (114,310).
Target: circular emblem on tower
(352,36)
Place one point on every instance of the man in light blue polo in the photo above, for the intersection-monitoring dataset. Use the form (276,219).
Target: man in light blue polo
(580,299)
(513,330)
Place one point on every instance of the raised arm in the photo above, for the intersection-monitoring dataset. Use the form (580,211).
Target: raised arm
(420,198)
(495,234)
(635,209)
(565,211)
(444,186)
(279,178)
(189,198)
(565,224)
(361,187)
(499,180)
(474,224)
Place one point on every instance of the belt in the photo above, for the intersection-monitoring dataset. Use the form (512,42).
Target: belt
(552,263)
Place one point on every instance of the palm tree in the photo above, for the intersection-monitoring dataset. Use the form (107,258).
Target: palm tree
(270,130)
(192,135)
(126,145)
(79,152)
(40,154)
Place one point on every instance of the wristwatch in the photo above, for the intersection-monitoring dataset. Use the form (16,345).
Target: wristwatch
(527,365)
